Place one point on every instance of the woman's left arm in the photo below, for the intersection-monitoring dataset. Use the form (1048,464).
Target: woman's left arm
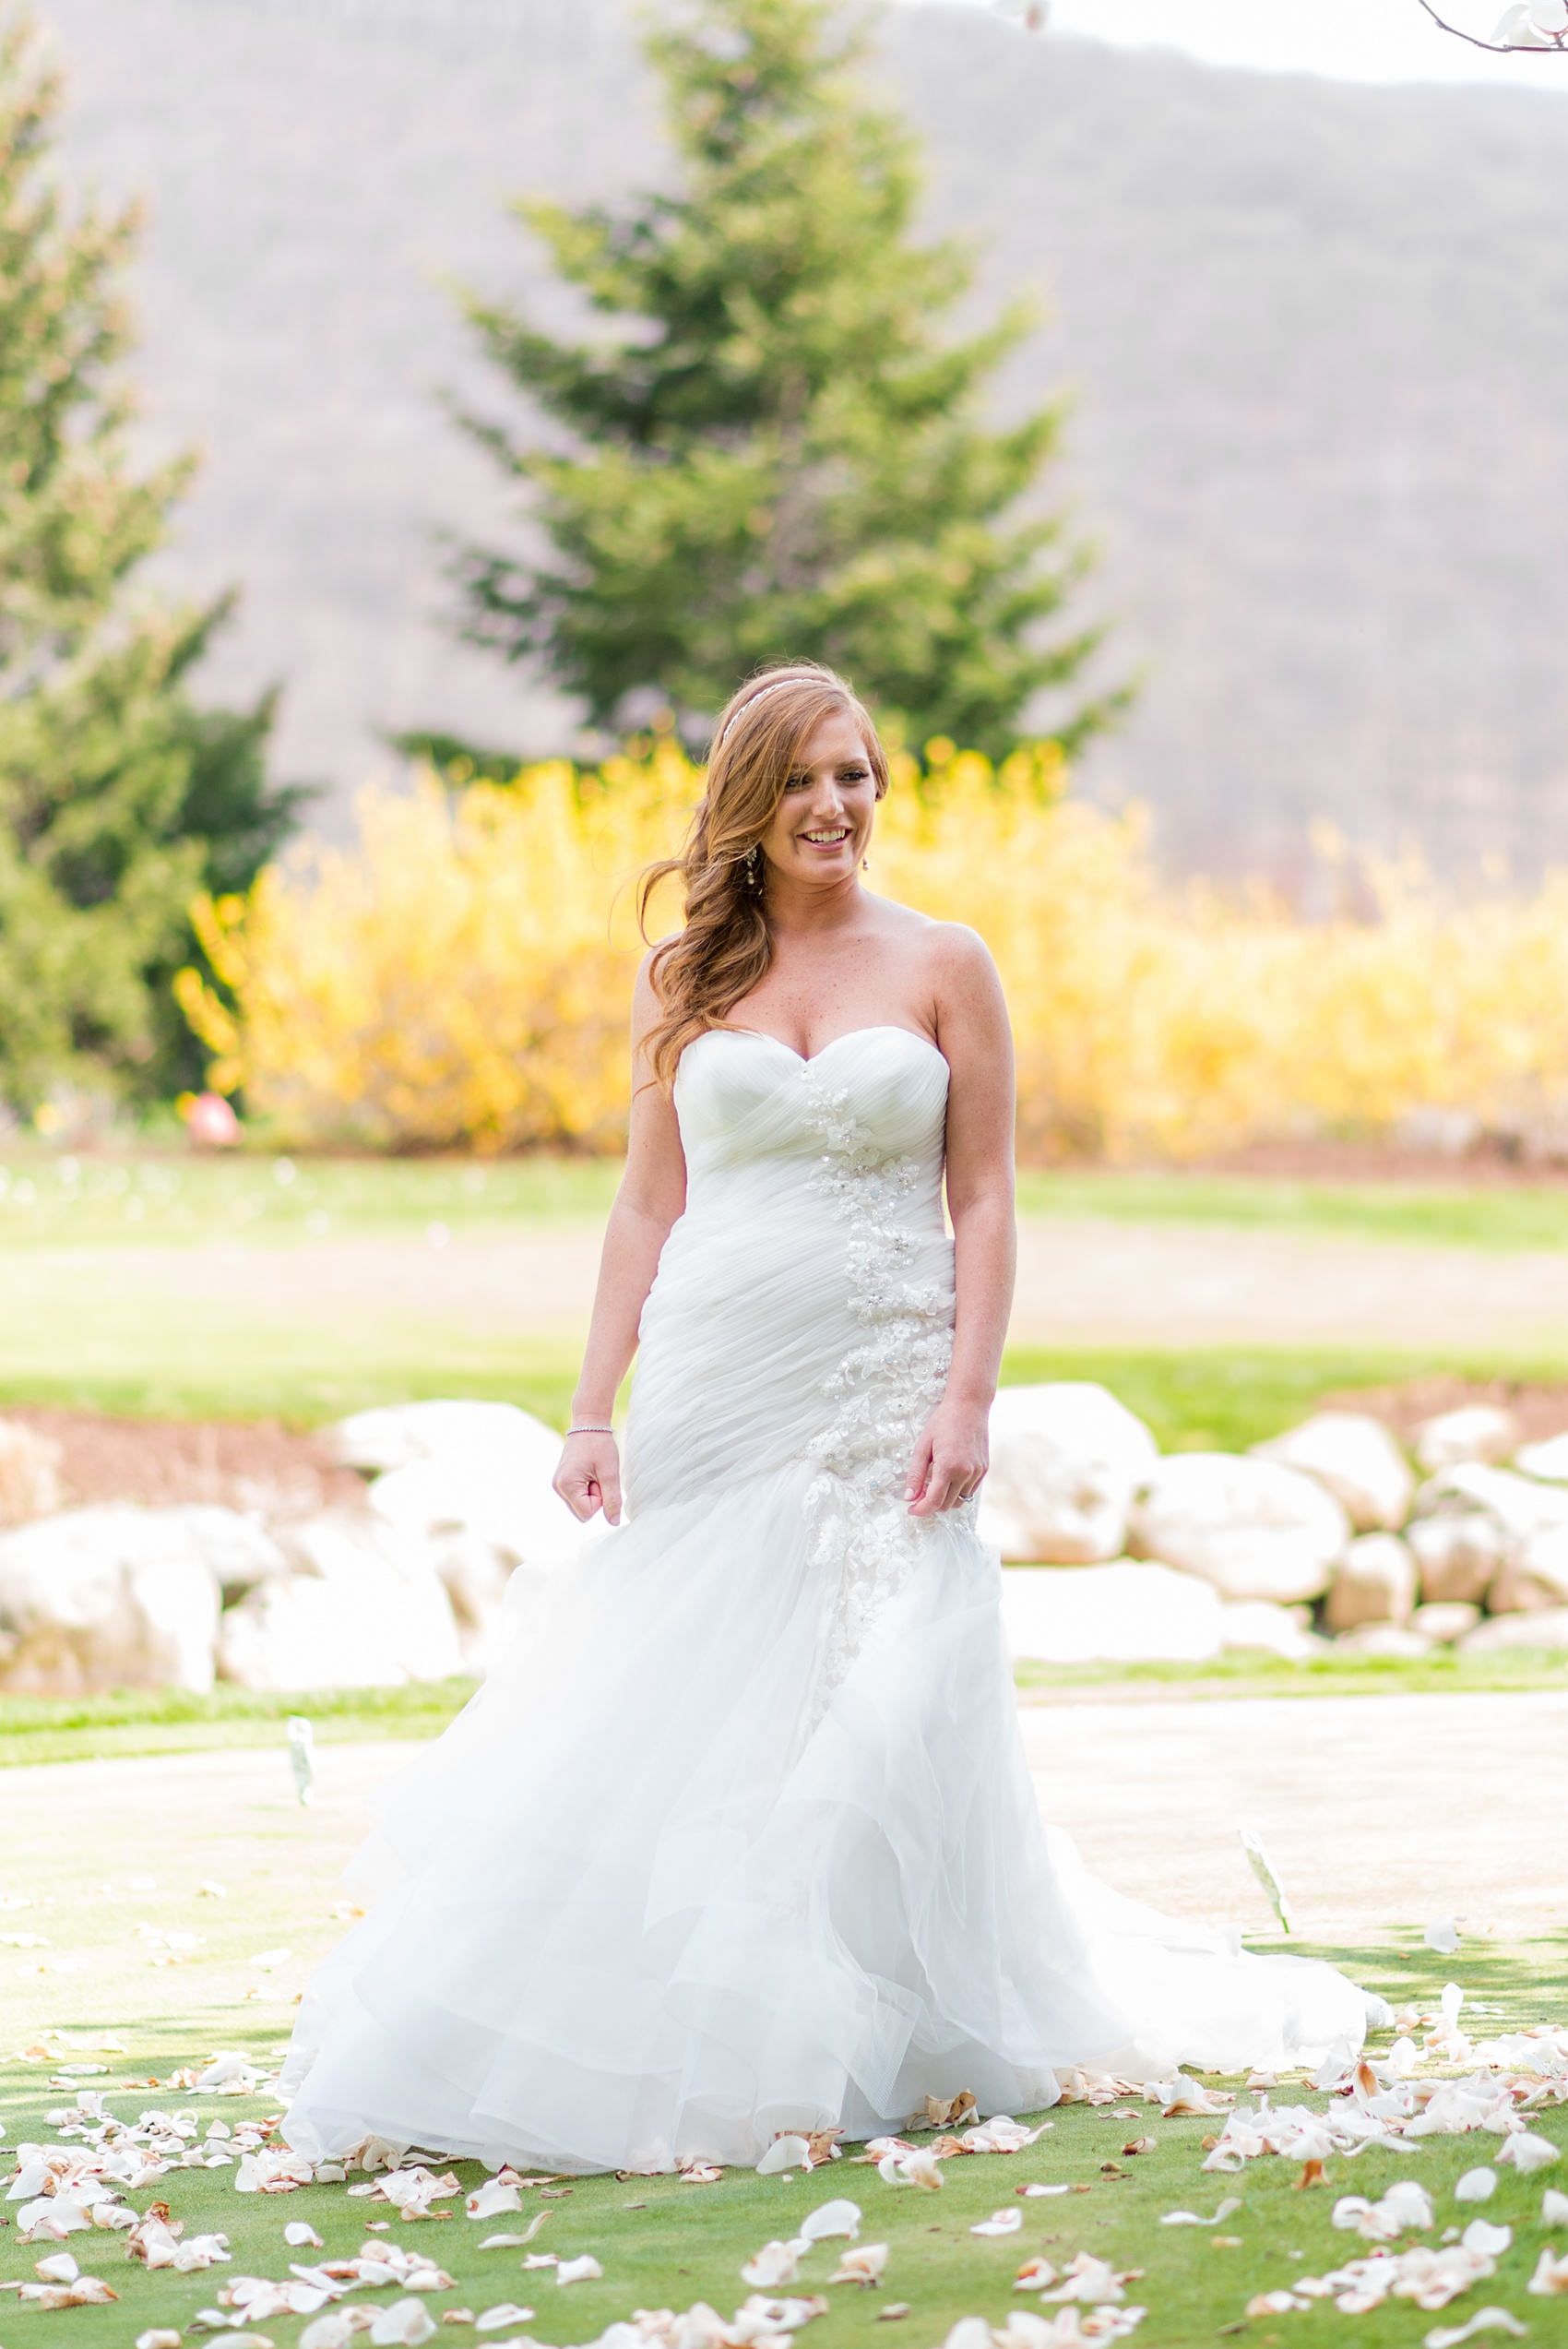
(953,1451)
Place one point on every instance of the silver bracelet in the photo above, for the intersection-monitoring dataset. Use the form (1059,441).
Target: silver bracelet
(588,1431)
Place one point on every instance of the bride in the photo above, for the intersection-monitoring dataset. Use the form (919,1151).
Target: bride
(740,1837)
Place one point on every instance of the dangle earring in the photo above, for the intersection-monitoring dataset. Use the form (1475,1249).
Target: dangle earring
(754,866)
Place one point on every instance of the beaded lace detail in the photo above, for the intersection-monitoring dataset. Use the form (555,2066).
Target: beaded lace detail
(885,1389)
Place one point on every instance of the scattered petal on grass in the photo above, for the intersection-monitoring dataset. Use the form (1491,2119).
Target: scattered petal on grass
(861,2263)
(1034,2275)
(1190,2218)
(893,2311)
(910,2169)
(937,2115)
(694,2174)
(1553,2208)
(1489,2241)
(299,2231)
(404,2325)
(1092,2282)
(1035,2190)
(493,2199)
(1448,2336)
(775,2264)
(157,2338)
(504,2312)
(828,2219)
(1000,2223)
(784,2154)
(60,2268)
(1441,1935)
(1527,2152)
(586,2270)
(501,2242)
(1476,2185)
(1550,2276)
(1141,2145)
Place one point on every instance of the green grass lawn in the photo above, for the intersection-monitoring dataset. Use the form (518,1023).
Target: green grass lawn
(172,1195)
(665,2243)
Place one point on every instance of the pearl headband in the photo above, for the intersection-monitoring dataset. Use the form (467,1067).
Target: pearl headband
(761,693)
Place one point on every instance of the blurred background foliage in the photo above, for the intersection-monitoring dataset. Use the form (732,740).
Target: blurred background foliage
(759,444)
(119,796)
(463,976)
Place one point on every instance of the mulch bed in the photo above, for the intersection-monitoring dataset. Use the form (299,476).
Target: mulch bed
(1539,1406)
(253,1466)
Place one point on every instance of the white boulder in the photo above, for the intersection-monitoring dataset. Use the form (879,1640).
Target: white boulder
(1064,1461)
(1254,1528)
(1119,1614)
(1536,1576)
(1359,1461)
(115,1597)
(1542,1628)
(1548,1458)
(1457,1557)
(1521,1506)
(1446,1621)
(481,1471)
(1476,1431)
(362,1610)
(1257,1627)
(238,1552)
(30,1473)
(1373,1583)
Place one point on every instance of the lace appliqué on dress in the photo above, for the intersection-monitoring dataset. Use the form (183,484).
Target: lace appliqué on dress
(885,1389)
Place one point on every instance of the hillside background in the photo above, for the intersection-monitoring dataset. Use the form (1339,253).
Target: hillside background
(1316,338)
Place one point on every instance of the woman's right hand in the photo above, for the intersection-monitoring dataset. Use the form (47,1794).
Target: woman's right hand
(589,1477)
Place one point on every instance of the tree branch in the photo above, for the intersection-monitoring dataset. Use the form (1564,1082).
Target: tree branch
(1497,48)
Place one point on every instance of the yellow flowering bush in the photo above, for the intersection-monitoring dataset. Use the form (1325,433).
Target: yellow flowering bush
(462,976)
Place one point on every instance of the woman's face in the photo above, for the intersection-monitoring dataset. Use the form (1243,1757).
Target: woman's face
(822,825)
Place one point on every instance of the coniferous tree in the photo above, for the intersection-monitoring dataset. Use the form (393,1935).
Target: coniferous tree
(774,453)
(119,797)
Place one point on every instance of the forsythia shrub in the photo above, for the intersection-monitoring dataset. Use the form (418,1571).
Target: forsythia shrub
(463,977)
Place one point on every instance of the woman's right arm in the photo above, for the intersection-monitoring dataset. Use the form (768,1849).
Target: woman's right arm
(652,1194)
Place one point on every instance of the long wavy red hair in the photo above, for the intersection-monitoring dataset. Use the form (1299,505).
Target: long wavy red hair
(725,946)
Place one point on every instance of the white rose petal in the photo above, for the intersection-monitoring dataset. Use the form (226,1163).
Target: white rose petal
(784,2154)
(1476,2185)
(1000,2223)
(584,2270)
(830,2218)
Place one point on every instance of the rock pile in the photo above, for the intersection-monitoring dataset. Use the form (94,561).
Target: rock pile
(405,1585)
(1322,1534)
(1113,1551)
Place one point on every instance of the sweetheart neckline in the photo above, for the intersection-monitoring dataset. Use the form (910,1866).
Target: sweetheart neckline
(809,1060)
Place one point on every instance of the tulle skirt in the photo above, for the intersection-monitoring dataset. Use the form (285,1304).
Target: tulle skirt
(669,1885)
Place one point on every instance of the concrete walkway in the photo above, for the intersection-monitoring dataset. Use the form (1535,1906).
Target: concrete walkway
(1382,1812)
(1079,1283)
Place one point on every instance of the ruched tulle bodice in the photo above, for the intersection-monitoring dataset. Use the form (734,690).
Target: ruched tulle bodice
(740,1836)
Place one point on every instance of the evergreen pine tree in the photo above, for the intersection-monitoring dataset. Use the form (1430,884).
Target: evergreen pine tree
(774,452)
(119,797)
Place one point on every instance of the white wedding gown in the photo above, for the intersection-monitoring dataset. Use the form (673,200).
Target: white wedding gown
(740,1836)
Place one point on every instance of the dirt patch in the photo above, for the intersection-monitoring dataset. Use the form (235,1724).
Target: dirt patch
(253,1466)
(1541,1409)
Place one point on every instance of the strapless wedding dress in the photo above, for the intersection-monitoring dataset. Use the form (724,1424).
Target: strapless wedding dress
(740,1837)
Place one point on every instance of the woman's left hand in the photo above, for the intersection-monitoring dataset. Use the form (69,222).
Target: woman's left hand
(950,1459)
